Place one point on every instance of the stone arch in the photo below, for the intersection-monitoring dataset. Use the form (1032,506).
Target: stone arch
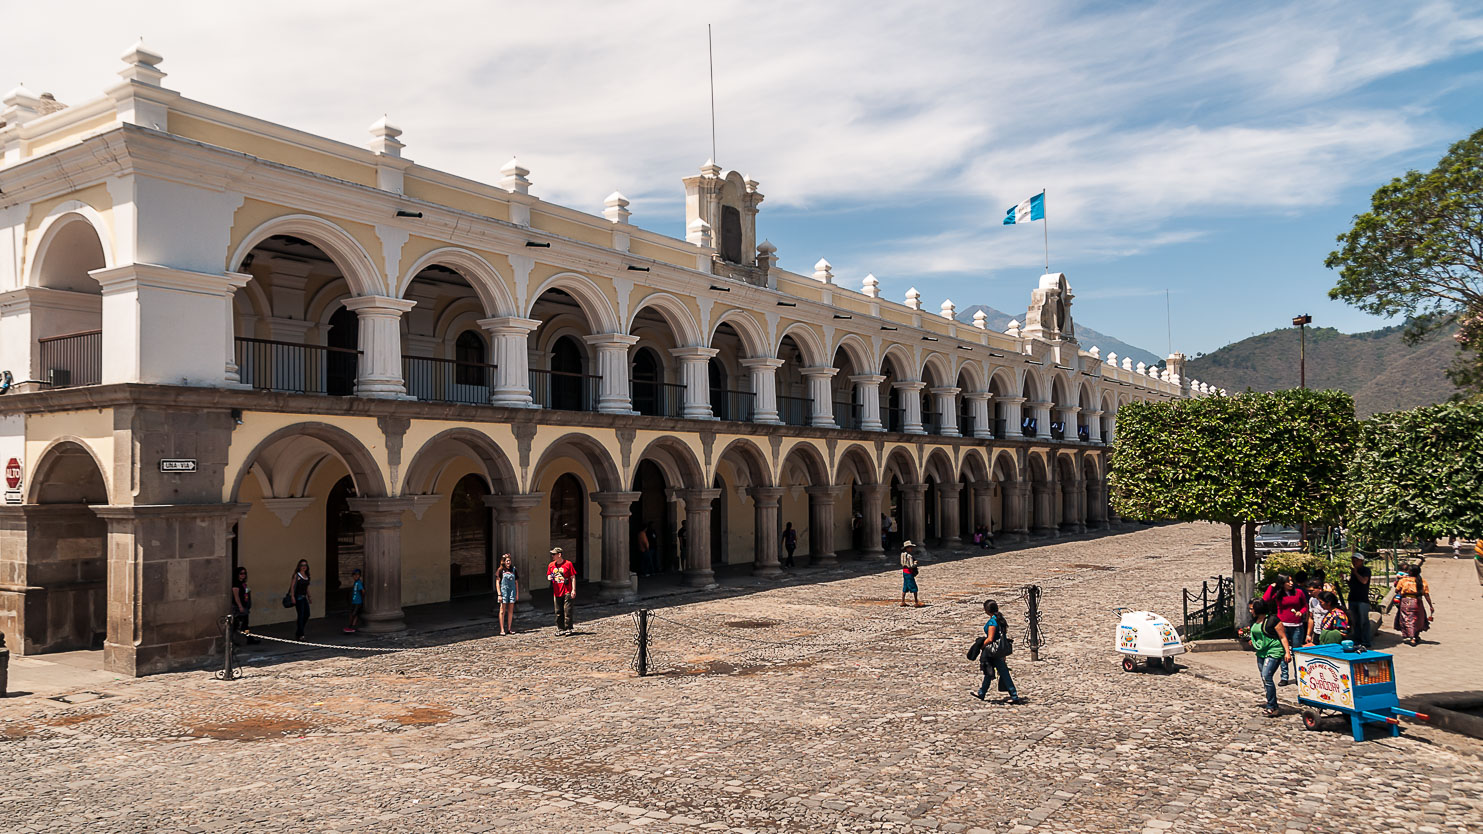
(857,350)
(1002,383)
(675,459)
(334,441)
(899,462)
(940,368)
(901,361)
(62,474)
(599,311)
(940,466)
(1061,389)
(433,457)
(855,460)
(1033,388)
(587,450)
(487,283)
(812,461)
(58,224)
(359,271)
(970,378)
(753,339)
(674,312)
(974,465)
(809,344)
(1003,463)
(752,459)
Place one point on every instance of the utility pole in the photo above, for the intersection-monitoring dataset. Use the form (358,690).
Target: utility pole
(1301,323)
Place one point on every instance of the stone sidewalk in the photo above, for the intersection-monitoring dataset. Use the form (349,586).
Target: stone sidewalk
(1449,658)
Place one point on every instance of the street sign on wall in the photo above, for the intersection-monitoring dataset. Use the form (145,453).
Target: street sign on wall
(177,465)
(13,473)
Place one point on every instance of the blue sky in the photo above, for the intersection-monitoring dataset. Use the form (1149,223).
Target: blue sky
(1213,149)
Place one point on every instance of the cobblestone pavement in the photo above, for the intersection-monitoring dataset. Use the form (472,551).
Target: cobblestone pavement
(808,708)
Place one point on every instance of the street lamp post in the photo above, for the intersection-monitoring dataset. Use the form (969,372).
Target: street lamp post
(1301,323)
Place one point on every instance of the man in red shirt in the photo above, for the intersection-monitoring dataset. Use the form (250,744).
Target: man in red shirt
(563,577)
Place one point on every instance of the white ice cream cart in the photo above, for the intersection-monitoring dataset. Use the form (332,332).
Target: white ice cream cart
(1147,635)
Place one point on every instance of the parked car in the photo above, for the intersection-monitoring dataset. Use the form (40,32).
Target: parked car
(1277,538)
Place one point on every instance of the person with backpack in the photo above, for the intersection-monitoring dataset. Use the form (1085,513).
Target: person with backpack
(1269,639)
(993,648)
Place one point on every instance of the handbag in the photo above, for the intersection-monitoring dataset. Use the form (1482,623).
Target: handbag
(288,600)
(915,569)
(975,649)
(1001,647)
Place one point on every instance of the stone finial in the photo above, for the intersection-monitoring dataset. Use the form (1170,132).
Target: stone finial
(21,106)
(699,233)
(616,208)
(1096,353)
(710,169)
(823,272)
(1112,359)
(1014,328)
(752,185)
(1142,369)
(515,180)
(871,286)
(384,139)
(767,255)
(142,65)
(1127,363)
(914,299)
(981,320)
(948,310)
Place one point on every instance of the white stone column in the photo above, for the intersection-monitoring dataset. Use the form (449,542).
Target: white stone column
(868,389)
(1094,426)
(947,411)
(911,405)
(764,389)
(379,367)
(509,336)
(1041,412)
(1069,419)
(1013,415)
(978,406)
(821,394)
(695,371)
(612,362)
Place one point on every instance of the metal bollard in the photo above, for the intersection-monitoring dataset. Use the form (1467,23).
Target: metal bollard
(1033,593)
(229,671)
(643,641)
(4,666)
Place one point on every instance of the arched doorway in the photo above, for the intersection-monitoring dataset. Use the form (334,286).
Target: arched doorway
(652,514)
(569,524)
(63,580)
(67,322)
(470,539)
(344,544)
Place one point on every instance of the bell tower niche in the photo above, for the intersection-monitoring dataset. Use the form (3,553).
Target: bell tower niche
(1049,317)
(726,207)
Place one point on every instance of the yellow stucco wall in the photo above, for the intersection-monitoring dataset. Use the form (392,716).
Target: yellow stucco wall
(93,428)
(274,150)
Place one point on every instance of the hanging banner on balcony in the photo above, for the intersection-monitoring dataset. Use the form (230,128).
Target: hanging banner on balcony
(177,465)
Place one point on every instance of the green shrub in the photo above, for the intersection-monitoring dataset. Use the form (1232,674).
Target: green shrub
(1332,570)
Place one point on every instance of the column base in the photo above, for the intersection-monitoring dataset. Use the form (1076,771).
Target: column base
(513,400)
(700,578)
(384,622)
(873,555)
(872,426)
(824,424)
(615,591)
(984,434)
(824,560)
(953,433)
(952,544)
(773,569)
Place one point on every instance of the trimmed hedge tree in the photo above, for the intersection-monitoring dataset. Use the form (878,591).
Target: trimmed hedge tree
(1280,457)
(1419,473)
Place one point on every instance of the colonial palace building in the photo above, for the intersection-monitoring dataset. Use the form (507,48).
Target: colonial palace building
(226,342)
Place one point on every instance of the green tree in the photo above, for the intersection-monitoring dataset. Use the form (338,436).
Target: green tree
(1419,473)
(1237,461)
(1418,252)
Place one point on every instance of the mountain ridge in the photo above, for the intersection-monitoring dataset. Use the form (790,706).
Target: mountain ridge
(1088,338)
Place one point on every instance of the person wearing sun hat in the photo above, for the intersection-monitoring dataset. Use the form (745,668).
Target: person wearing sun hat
(563,577)
(909,573)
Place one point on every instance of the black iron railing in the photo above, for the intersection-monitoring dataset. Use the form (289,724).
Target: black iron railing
(1211,612)
(447,381)
(847,415)
(965,425)
(896,419)
(305,369)
(794,411)
(1001,427)
(930,421)
(731,405)
(72,360)
(657,399)
(563,391)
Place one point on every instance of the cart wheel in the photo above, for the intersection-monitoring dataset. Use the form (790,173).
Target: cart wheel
(1169,664)
(1129,664)
(1310,719)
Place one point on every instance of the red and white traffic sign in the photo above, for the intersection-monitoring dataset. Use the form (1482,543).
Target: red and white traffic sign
(13,473)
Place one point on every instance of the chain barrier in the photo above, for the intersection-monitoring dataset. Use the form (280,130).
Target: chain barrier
(231,670)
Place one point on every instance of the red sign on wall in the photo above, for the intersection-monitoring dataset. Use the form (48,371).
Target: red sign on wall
(13,473)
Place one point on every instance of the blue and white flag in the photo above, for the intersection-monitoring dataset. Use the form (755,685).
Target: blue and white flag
(1031,209)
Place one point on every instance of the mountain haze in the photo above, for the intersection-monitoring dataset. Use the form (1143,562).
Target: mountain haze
(1089,338)
(1378,368)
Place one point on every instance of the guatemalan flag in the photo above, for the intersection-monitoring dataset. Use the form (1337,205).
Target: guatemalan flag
(1031,209)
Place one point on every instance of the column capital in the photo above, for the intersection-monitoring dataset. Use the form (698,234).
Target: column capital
(508,325)
(766,496)
(127,277)
(976,396)
(762,362)
(946,392)
(602,340)
(1012,400)
(954,487)
(516,505)
(1094,413)
(909,385)
(381,512)
(983,484)
(917,490)
(821,492)
(693,497)
(824,372)
(867,379)
(694,352)
(615,503)
(1040,404)
(374,305)
(1068,409)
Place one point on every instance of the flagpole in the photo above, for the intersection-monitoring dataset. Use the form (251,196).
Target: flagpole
(1045,219)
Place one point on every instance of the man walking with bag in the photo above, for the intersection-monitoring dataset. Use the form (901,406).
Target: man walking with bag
(995,646)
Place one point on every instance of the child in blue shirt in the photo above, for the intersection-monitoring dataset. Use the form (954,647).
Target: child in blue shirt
(357,599)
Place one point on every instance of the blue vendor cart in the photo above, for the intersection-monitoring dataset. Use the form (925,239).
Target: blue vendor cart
(1359,684)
